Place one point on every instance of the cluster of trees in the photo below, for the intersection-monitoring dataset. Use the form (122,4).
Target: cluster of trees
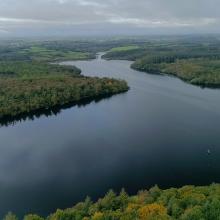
(187,203)
(38,53)
(25,95)
(131,54)
(34,69)
(198,71)
(29,86)
(201,71)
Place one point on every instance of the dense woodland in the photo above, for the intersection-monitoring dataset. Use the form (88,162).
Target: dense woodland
(28,86)
(187,203)
(199,71)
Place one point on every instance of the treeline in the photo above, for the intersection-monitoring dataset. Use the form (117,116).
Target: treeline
(187,203)
(54,110)
(125,54)
(198,71)
(35,69)
(30,86)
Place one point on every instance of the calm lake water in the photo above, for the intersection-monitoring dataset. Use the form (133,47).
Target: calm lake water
(157,133)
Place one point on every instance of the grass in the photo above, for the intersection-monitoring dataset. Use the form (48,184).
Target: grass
(125,48)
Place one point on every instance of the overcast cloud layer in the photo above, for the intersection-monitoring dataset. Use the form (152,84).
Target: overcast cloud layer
(79,17)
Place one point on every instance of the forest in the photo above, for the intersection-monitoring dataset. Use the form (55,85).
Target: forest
(186,203)
(199,71)
(29,86)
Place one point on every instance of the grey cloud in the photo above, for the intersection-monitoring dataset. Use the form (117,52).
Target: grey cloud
(34,15)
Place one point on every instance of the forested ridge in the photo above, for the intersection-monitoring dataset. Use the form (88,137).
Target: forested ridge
(198,71)
(186,203)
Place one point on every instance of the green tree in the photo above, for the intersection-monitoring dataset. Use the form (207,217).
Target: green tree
(123,199)
(10,216)
(32,217)
(194,213)
(212,209)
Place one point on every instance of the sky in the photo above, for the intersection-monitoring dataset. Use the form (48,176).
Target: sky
(108,17)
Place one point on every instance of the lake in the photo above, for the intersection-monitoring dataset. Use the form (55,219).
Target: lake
(159,132)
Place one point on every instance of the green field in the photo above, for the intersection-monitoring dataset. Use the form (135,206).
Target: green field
(124,48)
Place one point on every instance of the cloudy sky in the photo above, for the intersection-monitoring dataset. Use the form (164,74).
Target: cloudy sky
(108,17)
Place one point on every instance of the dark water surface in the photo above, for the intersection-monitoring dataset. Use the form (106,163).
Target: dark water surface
(157,133)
